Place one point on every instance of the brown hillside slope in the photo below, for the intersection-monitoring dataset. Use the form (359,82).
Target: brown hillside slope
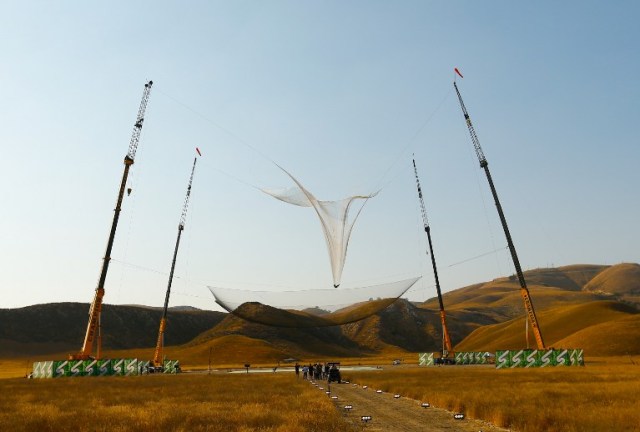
(571,277)
(231,349)
(621,280)
(500,300)
(259,313)
(60,327)
(288,318)
(400,327)
(616,337)
(567,300)
(302,342)
(228,350)
(568,278)
(556,324)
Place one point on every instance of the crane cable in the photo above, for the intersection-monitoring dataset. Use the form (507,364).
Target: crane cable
(472,158)
(379,185)
(410,146)
(132,186)
(222,128)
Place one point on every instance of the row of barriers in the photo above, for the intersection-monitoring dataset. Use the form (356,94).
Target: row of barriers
(503,359)
(105,367)
(528,358)
(461,358)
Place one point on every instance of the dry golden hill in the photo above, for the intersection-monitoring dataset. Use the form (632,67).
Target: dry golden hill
(291,342)
(574,305)
(568,300)
(562,327)
(233,350)
(499,300)
(400,328)
(616,337)
(311,317)
(60,327)
(259,313)
(621,281)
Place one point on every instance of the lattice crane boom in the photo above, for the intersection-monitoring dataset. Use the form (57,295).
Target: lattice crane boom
(157,357)
(137,127)
(472,131)
(93,327)
(446,340)
(524,291)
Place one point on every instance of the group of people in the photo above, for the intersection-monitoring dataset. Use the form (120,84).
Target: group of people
(317,371)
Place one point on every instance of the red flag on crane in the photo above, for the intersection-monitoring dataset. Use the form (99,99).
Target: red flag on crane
(198,150)
(458,72)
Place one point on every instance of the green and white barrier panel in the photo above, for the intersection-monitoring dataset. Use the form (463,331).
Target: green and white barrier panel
(539,358)
(130,367)
(171,366)
(43,369)
(472,357)
(425,359)
(60,368)
(482,357)
(117,367)
(105,367)
(143,367)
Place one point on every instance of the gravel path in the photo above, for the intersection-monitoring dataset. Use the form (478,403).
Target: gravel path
(391,414)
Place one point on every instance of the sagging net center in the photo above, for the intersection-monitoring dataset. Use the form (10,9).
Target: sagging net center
(310,308)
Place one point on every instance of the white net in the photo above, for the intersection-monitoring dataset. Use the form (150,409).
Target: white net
(334,218)
(310,308)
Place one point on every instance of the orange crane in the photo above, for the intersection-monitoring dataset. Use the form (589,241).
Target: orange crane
(93,327)
(157,357)
(524,291)
(447,349)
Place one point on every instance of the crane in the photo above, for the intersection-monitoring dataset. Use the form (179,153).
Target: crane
(524,291)
(446,340)
(157,357)
(93,326)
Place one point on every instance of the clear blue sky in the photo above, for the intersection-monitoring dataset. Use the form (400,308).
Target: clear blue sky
(339,93)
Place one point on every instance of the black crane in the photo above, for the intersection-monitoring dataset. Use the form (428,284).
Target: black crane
(96,306)
(446,340)
(157,357)
(524,291)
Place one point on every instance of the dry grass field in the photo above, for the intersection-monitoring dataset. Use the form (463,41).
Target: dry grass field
(15,368)
(600,396)
(603,396)
(222,402)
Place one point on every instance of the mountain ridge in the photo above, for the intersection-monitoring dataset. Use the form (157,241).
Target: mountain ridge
(577,304)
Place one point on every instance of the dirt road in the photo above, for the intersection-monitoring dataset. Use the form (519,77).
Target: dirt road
(390,414)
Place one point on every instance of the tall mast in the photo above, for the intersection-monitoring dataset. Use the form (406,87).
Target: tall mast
(446,340)
(157,357)
(96,306)
(524,291)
